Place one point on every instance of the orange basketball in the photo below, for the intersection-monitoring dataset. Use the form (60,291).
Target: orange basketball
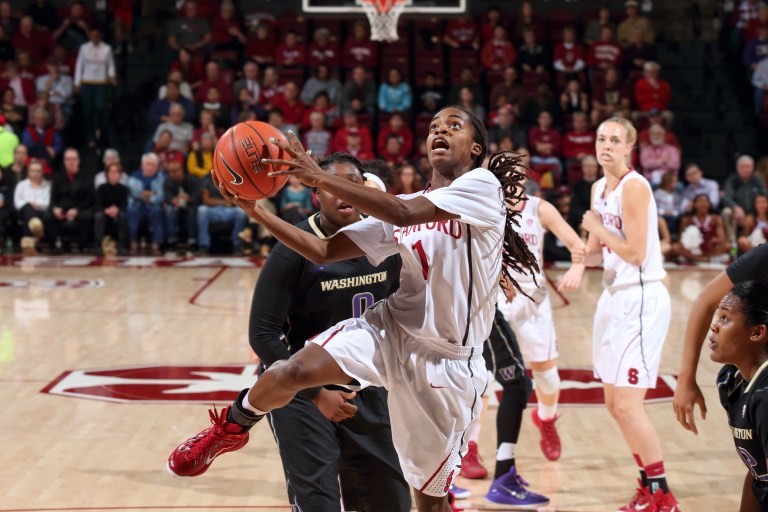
(237,160)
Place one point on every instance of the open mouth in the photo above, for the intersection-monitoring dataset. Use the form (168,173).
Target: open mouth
(440,145)
(345,208)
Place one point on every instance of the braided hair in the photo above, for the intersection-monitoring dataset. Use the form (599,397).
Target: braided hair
(508,168)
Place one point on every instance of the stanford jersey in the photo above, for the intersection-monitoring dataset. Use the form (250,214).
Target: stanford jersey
(617,272)
(746,404)
(533,233)
(451,268)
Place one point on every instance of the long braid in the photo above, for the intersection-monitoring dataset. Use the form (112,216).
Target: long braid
(508,168)
(516,256)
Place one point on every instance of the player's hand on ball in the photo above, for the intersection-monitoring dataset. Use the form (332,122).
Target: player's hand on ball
(334,405)
(252,208)
(303,166)
(591,220)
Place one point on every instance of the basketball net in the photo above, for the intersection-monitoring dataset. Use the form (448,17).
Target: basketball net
(383,16)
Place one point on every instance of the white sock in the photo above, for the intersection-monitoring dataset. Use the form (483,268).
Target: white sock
(475,434)
(247,405)
(547,412)
(506,451)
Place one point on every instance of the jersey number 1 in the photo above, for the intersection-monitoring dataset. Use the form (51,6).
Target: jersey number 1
(422,258)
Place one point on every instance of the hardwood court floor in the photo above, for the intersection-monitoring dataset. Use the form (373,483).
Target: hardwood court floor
(64,453)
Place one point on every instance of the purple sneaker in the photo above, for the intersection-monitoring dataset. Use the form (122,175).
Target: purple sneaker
(459,492)
(510,489)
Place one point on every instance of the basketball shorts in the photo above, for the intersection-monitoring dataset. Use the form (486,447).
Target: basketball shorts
(630,327)
(532,322)
(434,391)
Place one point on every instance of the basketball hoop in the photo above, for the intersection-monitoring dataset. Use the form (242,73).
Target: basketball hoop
(383,16)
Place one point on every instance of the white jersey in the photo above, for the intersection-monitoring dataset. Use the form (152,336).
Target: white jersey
(533,233)
(618,273)
(451,268)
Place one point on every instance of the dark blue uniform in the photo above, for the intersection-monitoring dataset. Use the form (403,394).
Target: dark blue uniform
(746,404)
(293,301)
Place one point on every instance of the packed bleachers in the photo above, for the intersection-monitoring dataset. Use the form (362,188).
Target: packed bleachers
(540,83)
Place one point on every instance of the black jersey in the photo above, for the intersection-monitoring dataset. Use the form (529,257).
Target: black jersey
(746,404)
(296,299)
(749,266)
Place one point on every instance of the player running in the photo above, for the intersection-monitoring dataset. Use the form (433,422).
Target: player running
(632,317)
(424,342)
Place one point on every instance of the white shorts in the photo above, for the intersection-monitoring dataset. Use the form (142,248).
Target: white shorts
(630,327)
(434,391)
(532,322)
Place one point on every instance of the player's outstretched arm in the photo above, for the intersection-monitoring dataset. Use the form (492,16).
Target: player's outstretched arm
(551,220)
(687,392)
(382,205)
(635,198)
(336,248)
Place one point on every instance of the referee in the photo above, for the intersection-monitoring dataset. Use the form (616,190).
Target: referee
(335,446)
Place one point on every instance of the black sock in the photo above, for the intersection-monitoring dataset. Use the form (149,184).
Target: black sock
(658,483)
(509,417)
(239,415)
(503,467)
(643,477)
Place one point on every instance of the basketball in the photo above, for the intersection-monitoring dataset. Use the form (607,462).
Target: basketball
(237,160)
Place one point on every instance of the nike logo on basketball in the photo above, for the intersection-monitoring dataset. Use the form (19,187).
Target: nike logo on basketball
(236,178)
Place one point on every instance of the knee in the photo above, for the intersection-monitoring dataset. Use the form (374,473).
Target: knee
(293,374)
(548,381)
(622,411)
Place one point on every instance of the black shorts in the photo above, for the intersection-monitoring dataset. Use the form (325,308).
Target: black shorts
(503,358)
(357,453)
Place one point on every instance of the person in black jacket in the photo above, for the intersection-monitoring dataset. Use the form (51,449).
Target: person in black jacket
(109,214)
(182,197)
(72,198)
(295,299)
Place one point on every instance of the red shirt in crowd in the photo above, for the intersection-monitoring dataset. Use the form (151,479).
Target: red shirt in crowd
(405,136)
(569,57)
(220,29)
(327,54)
(498,54)
(39,44)
(268,94)
(193,73)
(340,139)
(463,31)
(287,56)
(603,54)
(611,94)
(538,136)
(644,137)
(261,50)
(225,91)
(649,97)
(577,144)
(292,112)
(360,53)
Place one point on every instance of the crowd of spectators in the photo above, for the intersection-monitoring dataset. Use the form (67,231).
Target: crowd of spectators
(541,85)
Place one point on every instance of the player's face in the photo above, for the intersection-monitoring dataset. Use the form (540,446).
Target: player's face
(334,209)
(731,333)
(450,141)
(611,145)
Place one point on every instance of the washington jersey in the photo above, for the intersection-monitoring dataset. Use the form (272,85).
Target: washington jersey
(533,233)
(312,297)
(451,268)
(746,404)
(617,272)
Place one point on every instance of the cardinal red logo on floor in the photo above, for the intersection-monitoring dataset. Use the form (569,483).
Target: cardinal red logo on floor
(222,383)
(579,388)
(156,383)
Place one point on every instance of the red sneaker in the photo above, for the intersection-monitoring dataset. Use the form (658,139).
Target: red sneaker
(665,502)
(452,503)
(472,465)
(193,457)
(642,501)
(550,440)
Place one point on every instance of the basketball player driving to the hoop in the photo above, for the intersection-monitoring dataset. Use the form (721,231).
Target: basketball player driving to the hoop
(632,317)
(424,343)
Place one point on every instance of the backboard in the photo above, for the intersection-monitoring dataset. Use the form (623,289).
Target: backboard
(412,6)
